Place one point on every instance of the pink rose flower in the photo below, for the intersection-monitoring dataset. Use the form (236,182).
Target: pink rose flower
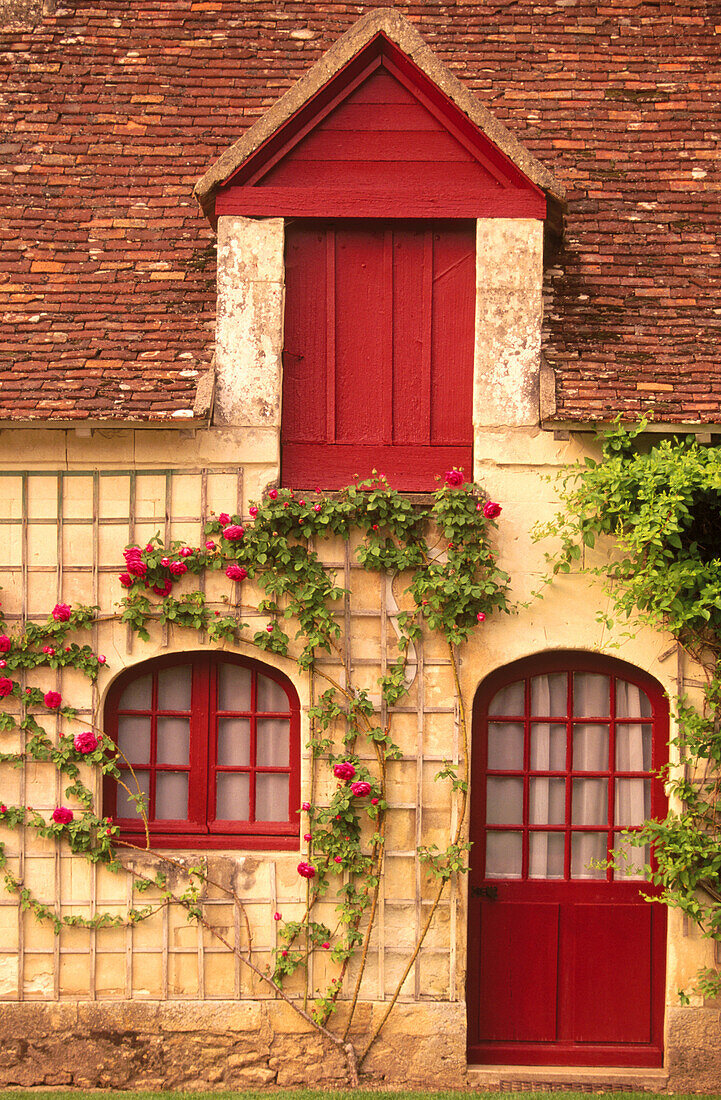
(491,509)
(165,562)
(317,507)
(269,628)
(344,771)
(223,518)
(210,545)
(137,567)
(305,806)
(307,836)
(337,859)
(277,916)
(49,650)
(306,870)
(102,659)
(253,511)
(62,815)
(453,478)
(481,617)
(236,572)
(375,801)
(361,789)
(3,808)
(85,742)
(5,643)
(177,568)
(233,533)
(272,493)
(52,699)
(3,664)
(126,580)
(185,551)
(163,589)
(6,687)
(132,552)
(61,612)
(150,547)
(325,945)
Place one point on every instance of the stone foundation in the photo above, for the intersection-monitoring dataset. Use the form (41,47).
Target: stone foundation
(693,1044)
(222,1044)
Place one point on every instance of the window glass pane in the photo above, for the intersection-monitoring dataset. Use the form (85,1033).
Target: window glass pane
(633,748)
(504,801)
(174,688)
(233,687)
(548,747)
(631,701)
(137,695)
(547,802)
(630,860)
(633,801)
(509,700)
(584,848)
(590,748)
(272,742)
(271,797)
(125,805)
(234,742)
(134,739)
(271,696)
(171,796)
(505,746)
(589,802)
(549,695)
(232,796)
(591,695)
(172,740)
(545,855)
(504,855)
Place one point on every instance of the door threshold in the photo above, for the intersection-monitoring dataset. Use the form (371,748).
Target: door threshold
(566,1078)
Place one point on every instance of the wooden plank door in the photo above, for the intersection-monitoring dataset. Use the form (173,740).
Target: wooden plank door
(566,956)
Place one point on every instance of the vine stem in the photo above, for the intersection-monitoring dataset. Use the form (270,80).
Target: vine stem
(439,893)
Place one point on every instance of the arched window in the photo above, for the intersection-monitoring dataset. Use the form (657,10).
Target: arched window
(214,742)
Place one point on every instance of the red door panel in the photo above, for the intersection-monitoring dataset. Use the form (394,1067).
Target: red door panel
(566,954)
(520,993)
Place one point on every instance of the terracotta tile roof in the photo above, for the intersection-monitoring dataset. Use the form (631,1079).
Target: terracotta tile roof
(113,112)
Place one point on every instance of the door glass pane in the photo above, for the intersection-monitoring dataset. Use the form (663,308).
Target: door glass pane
(271,696)
(504,801)
(234,742)
(630,860)
(632,802)
(545,855)
(589,802)
(134,739)
(591,695)
(126,807)
(547,802)
(233,687)
(505,746)
(586,847)
(172,740)
(174,688)
(272,743)
(633,748)
(232,796)
(271,797)
(509,700)
(590,748)
(549,695)
(504,855)
(548,747)
(171,796)
(631,701)
(137,695)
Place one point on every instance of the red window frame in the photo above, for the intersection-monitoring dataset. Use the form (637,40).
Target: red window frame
(200,829)
(569,662)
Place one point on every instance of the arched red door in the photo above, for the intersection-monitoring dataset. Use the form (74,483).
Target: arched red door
(566,959)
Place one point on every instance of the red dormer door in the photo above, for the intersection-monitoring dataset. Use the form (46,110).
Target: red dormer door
(378,354)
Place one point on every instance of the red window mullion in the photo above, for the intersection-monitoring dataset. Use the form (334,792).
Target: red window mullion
(201,724)
(568,721)
(153,746)
(526,770)
(253,734)
(611,774)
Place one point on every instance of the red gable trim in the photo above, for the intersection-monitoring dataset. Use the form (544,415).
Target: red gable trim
(410,153)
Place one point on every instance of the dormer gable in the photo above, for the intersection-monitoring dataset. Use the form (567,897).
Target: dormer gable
(378,128)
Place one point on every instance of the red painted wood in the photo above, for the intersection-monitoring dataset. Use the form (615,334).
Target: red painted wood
(200,829)
(379,331)
(379,135)
(609,949)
